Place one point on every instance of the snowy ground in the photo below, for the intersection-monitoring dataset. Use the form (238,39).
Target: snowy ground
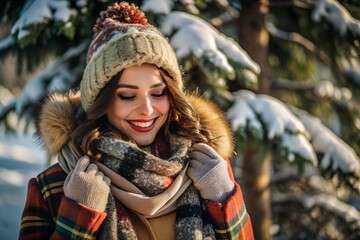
(20,159)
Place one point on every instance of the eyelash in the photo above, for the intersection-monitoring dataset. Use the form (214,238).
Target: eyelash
(163,93)
(130,98)
(126,97)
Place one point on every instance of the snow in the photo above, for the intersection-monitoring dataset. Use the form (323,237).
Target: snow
(157,6)
(6,42)
(32,92)
(337,15)
(338,155)
(253,109)
(165,6)
(20,159)
(39,12)
(33,13)
(344,211)
(195,36)
(62,13)
(276,116)
(295,131)
(327,89)
(240,114)
(56,71)
(354,74)
(81,3)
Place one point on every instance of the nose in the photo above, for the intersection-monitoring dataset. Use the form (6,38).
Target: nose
(145,107)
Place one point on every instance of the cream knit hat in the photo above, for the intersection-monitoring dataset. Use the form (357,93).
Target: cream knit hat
(122,39)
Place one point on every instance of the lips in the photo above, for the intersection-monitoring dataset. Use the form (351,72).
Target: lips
(142,125)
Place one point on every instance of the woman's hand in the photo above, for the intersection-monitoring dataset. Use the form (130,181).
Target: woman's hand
(209,173)
(87,185)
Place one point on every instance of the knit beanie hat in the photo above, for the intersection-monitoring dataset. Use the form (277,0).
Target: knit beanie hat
(123,38)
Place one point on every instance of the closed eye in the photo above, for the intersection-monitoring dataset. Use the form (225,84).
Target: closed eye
(124,97)
(163,93)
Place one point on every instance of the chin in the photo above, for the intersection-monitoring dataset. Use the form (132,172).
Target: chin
(144,142)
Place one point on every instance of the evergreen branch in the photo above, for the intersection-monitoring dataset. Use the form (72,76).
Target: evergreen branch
(298,39)
(35,88)
(298,4)
(282,83)
(224,18)
(291,173)
(329,203)
(324,90)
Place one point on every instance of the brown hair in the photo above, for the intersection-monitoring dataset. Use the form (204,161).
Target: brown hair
(181,121)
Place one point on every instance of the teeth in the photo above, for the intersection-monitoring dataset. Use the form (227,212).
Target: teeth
(143,124)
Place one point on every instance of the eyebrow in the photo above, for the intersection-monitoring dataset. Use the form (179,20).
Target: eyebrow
(121,85)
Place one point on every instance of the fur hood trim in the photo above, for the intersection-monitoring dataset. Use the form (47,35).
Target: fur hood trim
(213,120)
(57,113)
(55,120)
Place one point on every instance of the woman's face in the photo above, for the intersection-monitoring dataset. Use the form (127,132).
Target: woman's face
(141,103)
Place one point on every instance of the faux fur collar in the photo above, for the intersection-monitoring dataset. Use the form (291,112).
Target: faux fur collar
(56,120)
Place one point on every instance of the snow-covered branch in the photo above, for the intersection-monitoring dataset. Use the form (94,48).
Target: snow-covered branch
(337,15)
(338,156)
(157,6)
(56,76)
(290,36)
(195,36)
(291,173)
(250,110)
(36,12)
(298,39)
(324,89)
(331,204)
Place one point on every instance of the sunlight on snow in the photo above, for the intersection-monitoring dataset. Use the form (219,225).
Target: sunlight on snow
(12,177)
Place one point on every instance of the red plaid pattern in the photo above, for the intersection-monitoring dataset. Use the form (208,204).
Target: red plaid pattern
(48,214)
(231,220)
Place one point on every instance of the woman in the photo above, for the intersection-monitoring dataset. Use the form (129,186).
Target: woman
(138,157)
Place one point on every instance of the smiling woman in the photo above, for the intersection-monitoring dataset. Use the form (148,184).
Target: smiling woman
(141,104)
(138,157)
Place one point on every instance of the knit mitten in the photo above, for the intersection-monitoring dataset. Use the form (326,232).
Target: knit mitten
(87,185)
(209,173)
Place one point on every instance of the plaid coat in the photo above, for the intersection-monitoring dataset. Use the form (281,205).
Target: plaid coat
(48,214)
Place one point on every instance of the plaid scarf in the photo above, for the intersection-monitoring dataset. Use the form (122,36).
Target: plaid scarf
(152,175)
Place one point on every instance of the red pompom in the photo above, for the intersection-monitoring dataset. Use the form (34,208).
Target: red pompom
(122,13)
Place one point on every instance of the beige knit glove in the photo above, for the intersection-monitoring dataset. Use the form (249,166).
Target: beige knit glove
(87,185)
(208,170)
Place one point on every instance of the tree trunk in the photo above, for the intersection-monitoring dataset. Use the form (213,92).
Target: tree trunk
(255,184)
(254,39)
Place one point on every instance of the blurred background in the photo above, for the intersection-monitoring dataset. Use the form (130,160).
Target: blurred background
(285,73)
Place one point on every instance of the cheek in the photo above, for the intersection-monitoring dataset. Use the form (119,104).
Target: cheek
(164,107)
(117,112)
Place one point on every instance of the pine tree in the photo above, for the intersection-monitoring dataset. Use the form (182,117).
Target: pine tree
(285,72)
